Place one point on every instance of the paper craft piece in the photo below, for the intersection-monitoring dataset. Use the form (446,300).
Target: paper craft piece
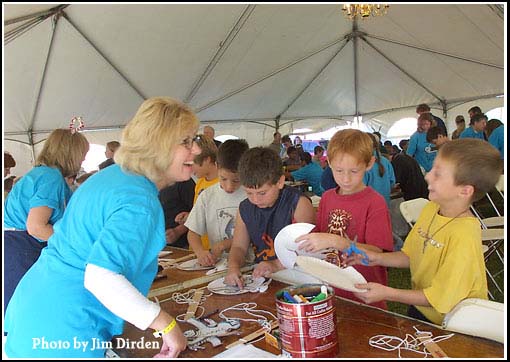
(193,265)
(343,278)
(287,249)
(251,284)
(221,265)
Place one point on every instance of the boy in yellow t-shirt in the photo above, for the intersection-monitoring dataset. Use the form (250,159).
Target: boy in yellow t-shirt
(444,248)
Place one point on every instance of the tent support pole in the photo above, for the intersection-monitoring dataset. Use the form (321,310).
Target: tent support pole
(355,54)
(222,49)
(105,58)
(401,69)
(31,143)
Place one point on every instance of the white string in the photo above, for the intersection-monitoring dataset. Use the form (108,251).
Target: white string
(186,298)
(409,343)
(249,308)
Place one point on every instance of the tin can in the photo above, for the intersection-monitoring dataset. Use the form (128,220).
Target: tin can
(307,330)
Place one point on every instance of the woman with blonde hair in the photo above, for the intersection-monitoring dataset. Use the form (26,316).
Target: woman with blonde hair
(37,202)
(101,261)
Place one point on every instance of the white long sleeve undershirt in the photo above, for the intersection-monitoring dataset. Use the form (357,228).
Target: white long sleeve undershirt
(117,294)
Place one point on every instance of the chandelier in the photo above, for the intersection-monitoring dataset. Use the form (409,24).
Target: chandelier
(353,11)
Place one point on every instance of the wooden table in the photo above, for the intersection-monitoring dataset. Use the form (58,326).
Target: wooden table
(356,324)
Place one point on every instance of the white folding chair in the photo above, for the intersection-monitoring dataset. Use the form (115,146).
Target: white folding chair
(492,240)
(411,209)
(477,317)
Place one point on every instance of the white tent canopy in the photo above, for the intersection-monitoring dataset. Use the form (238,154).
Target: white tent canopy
(245,68)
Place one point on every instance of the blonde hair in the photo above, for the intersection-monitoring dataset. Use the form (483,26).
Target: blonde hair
(353,142)
(476,162)
(64,150)
(148,140)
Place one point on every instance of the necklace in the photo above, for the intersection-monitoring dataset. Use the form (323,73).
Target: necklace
(429,238)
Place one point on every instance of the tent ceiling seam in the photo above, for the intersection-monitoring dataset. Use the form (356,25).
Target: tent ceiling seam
(323,68)
(20,30)
(498,9)
(224,45)
(436,52)
(228,95)
(402,70)
(143,96)
(55,20)
(43,14)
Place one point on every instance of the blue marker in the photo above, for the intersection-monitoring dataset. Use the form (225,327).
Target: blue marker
(288,298)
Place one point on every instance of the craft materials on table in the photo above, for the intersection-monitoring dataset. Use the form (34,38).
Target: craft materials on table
(169,263)
(422,343)
(307,321)
(193,265)
(251,284)
(209,331)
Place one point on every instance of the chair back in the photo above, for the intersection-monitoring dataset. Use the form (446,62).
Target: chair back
(411,209)
(477,317)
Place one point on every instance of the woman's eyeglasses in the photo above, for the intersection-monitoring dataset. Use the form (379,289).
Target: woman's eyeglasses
(188,142)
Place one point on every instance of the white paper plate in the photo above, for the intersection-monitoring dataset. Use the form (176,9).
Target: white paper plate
(192,265)
(285,247)
(218,286)
(343,278)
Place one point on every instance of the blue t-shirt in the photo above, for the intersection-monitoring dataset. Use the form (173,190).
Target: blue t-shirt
(381,184)
(471,133)
(327,179)
(421,150)
(312,173)
(497,139)
(115,221)
(264,224)
(41,186)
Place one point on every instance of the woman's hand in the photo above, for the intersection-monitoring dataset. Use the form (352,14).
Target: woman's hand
(174,343)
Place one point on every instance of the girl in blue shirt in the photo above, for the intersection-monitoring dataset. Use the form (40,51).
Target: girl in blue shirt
(100,262)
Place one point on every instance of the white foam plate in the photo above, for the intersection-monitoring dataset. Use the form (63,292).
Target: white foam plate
(343,278)
(295,276)
(285,246)
(253,285)
(192,265)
